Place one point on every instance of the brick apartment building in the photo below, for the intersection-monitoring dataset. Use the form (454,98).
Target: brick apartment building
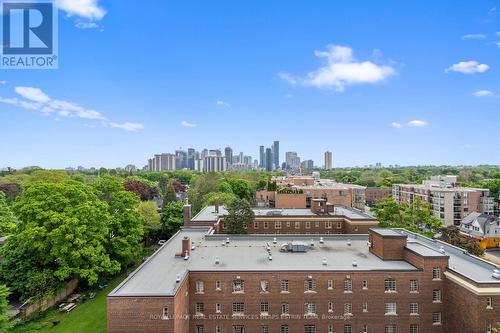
(374,194)
(299,192)
(449,201)
(322,218)
(384,282)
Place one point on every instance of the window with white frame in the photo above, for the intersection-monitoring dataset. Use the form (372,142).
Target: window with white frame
(390,285)
(489,328)
(390,308)
(330,284)
(390,329)
(297,225)
(365,328)
(328,225)
(348,328)
(256,225)
(436,296)
(264,329)
(218,285)
(238,308)
(277,225)
(414,308)
(330,328)
(200,287)
(165,314)
(365,306)
(347,308)
(264,308)
(436,273)
(284,286)
(339,225)
(284,329)
(218,329)
(347,285)
(285,309)
(309,308)
(413,286)
(218,308)
(330,307)
(308,225)
(436,318)
(489,303)
(238,286)
(266,224)
(200,329)
(200,308)
(413,328)
(238,329)
(309,328)
(365,284)
(309,285)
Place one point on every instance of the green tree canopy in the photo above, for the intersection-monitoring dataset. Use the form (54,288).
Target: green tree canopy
(8,221)
(5,322)
(171,217)
(240,215)
(151,217)
(61,234)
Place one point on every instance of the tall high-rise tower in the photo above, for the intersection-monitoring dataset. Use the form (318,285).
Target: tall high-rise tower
(262,157)
(328,160)
(276,154)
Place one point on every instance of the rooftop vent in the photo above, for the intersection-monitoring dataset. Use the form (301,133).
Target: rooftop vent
(217,260)
(270,257)
(321,240)
(441,249)
(354,263)
(496,273)
(275,240)
(177,278)
(349,242)
(293,247)
(324,262)
(227,240)
(312,242)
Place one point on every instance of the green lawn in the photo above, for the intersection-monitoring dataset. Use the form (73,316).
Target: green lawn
(88,317)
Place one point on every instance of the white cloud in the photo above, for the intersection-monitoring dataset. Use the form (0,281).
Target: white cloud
(498,44)
(473,36)
(341,70)
(468,67)
(35,99)
(187,124)
(86,25)
(3,82)
(417,123)
(88,9)
(132,127)
(467,146)
(33,94)
(289,95)
(498,33)
(396,124)
(222,103)
(482,93)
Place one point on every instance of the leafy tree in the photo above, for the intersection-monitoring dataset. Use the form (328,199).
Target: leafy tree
(202,185)
(240,215)
(5,323)
(171,217)
(11,191)
(61,234)
(50,176)
(8,221)
(241,188)
(452,235)
(220,198)
(145,190)
(170,195)
(151,217)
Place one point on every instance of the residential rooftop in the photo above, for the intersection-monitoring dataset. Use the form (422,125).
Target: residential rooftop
(157,276)
(209,213)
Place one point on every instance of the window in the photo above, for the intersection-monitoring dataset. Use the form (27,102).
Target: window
(436,296)
(414,308)
(284,286)
(277,225)
(217,329)
(348,328)
(390,329)
(390,309)
(365,306)
(218,308)
(328,225)
(297,225)
(285,309)
(436,318)
(309,285)
(218,285)
(308,225)
(264,308)
(330,307)
(339,225)
(365,284)
(165,314)
(330,328)
(238,308)
(288,224)
(238,329)
(199,329)
(200,287)
(390,285)
(238,286)
(348,309)
(489,328)
(264,286)
(365,328)
(330,284)
(264,329)
(200,307)
(284,329)
(266,225)
(347,285)
(436,273)
(309,328)
(256,225)
(489,303)
(413,328)
(413,286)
(309,308)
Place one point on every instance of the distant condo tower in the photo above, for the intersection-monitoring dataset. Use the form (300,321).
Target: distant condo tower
(328,160)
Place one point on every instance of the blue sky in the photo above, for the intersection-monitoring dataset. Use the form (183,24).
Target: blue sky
(397,82)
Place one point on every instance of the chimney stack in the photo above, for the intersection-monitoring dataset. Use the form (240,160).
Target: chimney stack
(217,206)
(186,246)
(186,213)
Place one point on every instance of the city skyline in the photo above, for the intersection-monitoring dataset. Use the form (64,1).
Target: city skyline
(357,87)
